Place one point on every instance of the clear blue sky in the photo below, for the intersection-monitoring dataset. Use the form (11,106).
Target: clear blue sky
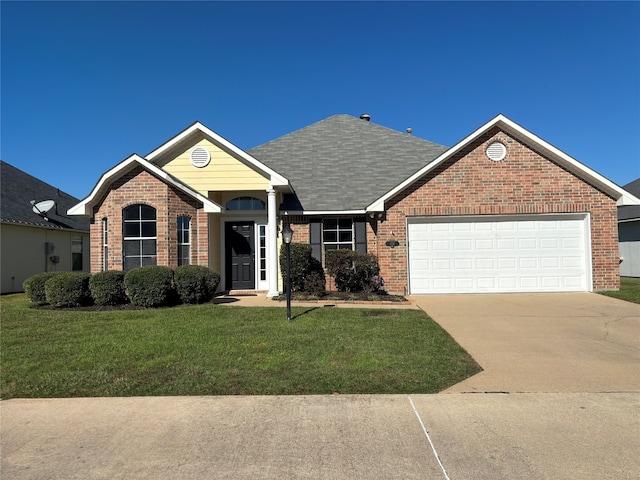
(85,84)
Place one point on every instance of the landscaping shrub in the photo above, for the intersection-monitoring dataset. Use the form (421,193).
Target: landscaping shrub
(34,286)
(314,281)
(107,288)
(307,274)
(195,283)
(150,286)
(353,272)
(68,289)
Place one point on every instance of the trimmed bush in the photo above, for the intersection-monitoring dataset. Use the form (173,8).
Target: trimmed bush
(107,288)
(34,286)
(354,272)
(150,286)
(68,289)
(307,274)
(195,283)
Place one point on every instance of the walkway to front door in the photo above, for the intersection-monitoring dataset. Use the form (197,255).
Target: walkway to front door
(239,256)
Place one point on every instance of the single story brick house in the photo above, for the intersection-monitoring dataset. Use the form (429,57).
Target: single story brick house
(629,234)
(500,211)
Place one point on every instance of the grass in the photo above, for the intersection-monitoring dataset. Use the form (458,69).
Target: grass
(222,350)
(629,290)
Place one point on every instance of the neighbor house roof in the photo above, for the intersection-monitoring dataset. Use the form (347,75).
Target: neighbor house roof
(85,207)
(629,213)
(18,189)
(342,163)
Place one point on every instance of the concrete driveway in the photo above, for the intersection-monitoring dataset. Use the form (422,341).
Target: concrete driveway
(561,342)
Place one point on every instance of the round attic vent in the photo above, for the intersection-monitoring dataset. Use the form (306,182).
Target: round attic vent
(200,157)
(496,151)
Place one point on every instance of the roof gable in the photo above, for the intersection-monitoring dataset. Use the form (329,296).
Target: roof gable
(632,212)
(18,189)
(532,141)
(343,163)
(85,207)
(195,132)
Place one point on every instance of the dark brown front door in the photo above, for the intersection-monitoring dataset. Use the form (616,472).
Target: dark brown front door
(239,256)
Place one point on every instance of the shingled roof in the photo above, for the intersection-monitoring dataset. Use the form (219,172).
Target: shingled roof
(18,189)
(344,163)
(631,212)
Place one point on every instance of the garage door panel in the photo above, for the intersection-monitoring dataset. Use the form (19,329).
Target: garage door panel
(493,254)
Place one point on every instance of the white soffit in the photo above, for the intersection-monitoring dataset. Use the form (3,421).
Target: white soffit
(582,171)
(84,208)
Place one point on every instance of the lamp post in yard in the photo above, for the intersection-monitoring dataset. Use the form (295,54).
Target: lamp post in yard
(287,236)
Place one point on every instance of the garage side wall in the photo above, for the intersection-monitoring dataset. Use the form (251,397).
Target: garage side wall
(139,186)
(524,182)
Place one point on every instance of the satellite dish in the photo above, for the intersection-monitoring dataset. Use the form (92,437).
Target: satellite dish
(44,207)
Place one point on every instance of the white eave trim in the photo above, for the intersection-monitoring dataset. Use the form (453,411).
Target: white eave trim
(84,208)
(323,212)
(275,179)
(622,196)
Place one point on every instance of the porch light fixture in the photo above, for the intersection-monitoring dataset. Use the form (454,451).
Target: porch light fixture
(287,236)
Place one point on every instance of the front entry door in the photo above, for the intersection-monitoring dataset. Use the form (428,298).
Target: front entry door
(240,256)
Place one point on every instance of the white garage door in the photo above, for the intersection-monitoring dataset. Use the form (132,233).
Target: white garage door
(533,253)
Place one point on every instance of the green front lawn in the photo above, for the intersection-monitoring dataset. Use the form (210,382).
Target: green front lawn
(223,350)
(629,290)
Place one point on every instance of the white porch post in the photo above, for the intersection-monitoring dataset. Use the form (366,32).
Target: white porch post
(272,244)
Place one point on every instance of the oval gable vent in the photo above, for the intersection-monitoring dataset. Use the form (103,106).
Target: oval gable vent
(200,157)
(496,151)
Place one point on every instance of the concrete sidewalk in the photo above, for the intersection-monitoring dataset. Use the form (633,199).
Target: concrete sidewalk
(491,436)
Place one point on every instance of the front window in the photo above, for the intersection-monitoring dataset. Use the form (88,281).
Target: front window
(184,241)
(105,245)
(77,251)
(245,203)
(139,236)
(337,233)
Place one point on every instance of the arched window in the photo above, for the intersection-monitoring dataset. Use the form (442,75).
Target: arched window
(139,236)
(245,203)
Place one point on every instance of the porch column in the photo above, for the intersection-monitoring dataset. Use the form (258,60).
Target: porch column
(272,244)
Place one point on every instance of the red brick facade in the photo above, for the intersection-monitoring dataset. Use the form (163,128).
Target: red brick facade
(139,186)
(523,183)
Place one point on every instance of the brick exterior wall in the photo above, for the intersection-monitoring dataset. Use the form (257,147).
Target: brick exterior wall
(139,186)
(469,183)
(524,182)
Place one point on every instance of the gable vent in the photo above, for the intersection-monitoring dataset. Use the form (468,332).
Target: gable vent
(200,157)
(496,151)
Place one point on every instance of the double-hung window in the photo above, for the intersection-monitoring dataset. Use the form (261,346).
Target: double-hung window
(184,241)
(337,233)
(105,244)
(139,236)
(77,251)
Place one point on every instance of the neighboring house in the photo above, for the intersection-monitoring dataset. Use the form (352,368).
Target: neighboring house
(629,234)
(33,242)
(500,211)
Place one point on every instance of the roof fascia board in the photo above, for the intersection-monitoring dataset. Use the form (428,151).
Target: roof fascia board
(275,178)
(84,207)
(324,212)
(622,197)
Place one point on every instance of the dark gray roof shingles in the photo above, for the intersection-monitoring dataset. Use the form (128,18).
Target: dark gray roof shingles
(18,189)
(345,163)
(630,212)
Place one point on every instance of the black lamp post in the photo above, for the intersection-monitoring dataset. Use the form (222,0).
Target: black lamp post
(287,236)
